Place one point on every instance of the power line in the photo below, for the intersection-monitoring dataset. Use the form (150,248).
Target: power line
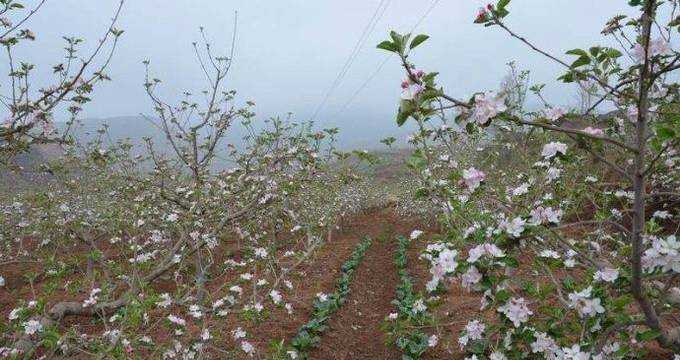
(368,30)
(382,64)
(365,83)
(425,15)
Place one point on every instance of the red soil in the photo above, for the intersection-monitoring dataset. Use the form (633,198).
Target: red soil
(354,331)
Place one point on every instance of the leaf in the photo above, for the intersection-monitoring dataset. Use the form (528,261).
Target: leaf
(577,52)
(421,193)
(595,50)
(613,53)
(404,40)
(388,45)
(647,335)
(418,40)
(429,77)
(675,22)
(665,133)
(501,10)
(406,109)
(429,94)
(398,40)
(583,60)
(567,78)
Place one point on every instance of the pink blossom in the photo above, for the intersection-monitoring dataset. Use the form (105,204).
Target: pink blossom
(656,47)
(516,311)
(553,114)
(593,131)
(553,174)
(470,278)
(553,148)
(543,344)
(575,353)
(474,330)
(664,253)
(411,91)
(483,13)
(472,178)
(541,215)
(486,107)
(484,249)
(632,113)
(514,228)
(584,304)
(606,274)
(475,253)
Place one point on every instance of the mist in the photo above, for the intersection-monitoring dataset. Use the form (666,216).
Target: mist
(289,53)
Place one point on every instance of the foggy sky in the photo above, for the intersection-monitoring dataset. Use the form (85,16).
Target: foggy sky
(289,52)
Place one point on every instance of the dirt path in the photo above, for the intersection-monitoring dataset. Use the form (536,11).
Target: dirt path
(354,331)
(319,275)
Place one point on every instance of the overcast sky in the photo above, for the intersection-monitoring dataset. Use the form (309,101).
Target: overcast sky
(290,51)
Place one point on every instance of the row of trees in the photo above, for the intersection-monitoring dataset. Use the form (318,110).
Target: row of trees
(514,185)
(147,218)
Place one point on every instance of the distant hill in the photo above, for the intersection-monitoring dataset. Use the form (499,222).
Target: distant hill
(355,133)
(121,128)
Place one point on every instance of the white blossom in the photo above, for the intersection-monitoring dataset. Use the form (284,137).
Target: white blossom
(473,331)
(516,311)
(550,150)
(606,274)
(584,304)
(32,326)
(554,113)
(486,107)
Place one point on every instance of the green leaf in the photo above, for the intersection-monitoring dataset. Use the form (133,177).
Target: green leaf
(501,10)
(398,40)
(567,78)
(577,52)
(675,22)
(613,53)
(388,45)
(429,94)
(402,116)
(421,193)
(418,40)
(595,50)
(429,78)
(583,60)
(665,133)
(647,335)
(406,109)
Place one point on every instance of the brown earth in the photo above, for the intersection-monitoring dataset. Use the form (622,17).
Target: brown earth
(354,331)
(319,275)
(365,305)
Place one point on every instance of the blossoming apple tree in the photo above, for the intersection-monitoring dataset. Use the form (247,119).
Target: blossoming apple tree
(227,240)
(574,250)
(30,107)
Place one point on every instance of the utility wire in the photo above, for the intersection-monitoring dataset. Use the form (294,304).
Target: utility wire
(385,60)
(368,30)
